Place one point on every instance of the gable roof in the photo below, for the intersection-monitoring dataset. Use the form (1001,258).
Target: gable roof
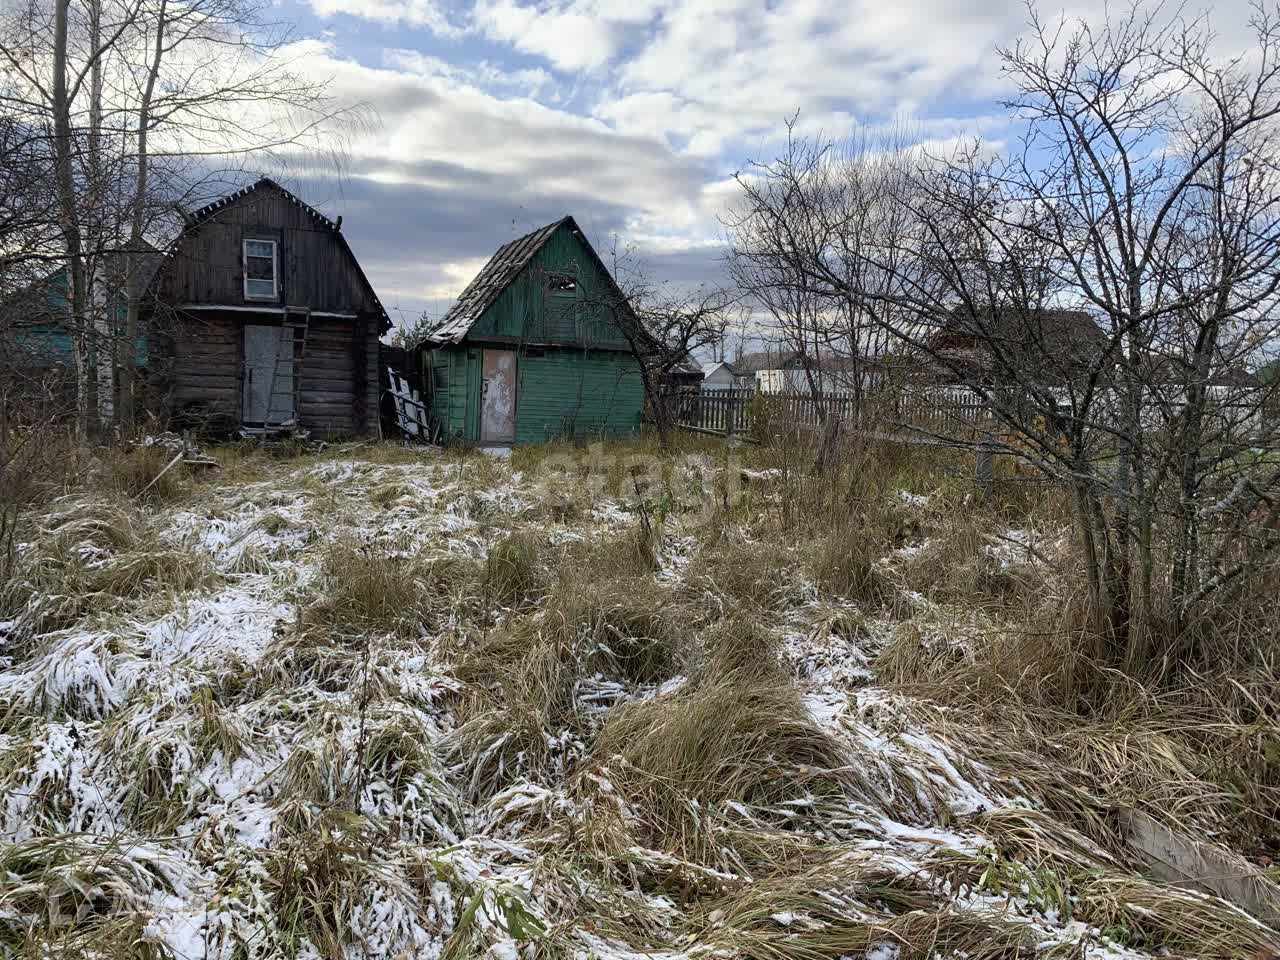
(773,359)
(115,264)
(1050,329)
(499,273)
(201,216)
(710,368)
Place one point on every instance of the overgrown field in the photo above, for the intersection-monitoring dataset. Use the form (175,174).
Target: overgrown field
(598,703)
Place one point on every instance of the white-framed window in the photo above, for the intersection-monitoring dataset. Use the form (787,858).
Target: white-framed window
(260,270)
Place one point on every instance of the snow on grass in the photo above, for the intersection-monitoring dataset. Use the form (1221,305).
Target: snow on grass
(252,786)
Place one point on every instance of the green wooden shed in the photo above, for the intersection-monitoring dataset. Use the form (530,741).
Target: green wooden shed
(534,348)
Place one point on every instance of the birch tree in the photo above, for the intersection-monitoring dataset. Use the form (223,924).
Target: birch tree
(148,100)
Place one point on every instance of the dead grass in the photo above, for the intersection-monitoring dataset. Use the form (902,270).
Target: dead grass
(379,763)
(740,646)
(722,740)
(703,814)
(318,878)
(956,564)
(157,747)
(361,590)
(758,574)
(84,896)
(846,565)
(549,674)
(1148,915)
(616,554)
(96,558)
(514,569)
(848,904)
(138,472)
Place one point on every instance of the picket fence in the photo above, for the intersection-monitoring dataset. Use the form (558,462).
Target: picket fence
(946,412)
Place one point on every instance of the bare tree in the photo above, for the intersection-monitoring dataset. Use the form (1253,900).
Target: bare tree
(842,202)
(1142,195)
(665,326)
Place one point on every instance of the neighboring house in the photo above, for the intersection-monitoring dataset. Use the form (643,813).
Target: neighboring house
(685,374)
(36,326)
(984,346)
(773,372)
(266,320)
(1235,398)
(534,347)
(718,376)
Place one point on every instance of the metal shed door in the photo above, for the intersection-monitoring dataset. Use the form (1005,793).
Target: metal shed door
(268,375)
(498,397)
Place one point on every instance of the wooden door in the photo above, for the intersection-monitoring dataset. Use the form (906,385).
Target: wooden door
(268,375)
(498,397)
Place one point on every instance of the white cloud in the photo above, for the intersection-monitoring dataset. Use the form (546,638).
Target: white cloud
(457,150)
(569,38)
(668,98)
(414,13)
(572,35)
(481,75)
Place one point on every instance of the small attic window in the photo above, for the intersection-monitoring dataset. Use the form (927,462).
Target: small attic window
(562,284)
(260,270)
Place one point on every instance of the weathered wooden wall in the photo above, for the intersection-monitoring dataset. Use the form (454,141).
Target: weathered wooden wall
(337,389)
(560,392)
(577,393)
(200,303)
(206,266)
(208,364)
(577,374)
(527,312)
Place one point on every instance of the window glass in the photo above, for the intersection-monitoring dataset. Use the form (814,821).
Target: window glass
(259,268)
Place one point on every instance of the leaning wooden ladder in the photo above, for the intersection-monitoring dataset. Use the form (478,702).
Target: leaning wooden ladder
(284,390)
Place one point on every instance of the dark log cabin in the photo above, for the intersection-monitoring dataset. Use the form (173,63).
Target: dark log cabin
(268,322)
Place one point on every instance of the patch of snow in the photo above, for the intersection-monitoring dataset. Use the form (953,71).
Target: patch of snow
(913,499)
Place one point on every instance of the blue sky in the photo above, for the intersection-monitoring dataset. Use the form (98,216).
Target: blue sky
(497,116)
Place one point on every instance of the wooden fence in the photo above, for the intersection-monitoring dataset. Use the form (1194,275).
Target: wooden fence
(944,412)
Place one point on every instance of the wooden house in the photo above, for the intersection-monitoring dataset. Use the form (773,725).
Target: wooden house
(266,319)
(35,325)
(718,376)
(535,347)
(37,333)
(985,345)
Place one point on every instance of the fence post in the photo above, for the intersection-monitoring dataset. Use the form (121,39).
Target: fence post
(984,473)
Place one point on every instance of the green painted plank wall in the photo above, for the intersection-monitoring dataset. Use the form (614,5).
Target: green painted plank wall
(576,391)
(571,391)
(527,310)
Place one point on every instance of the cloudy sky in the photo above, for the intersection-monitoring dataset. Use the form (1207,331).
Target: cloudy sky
(497,116)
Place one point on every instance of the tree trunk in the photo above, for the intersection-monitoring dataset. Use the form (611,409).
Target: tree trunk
(68,217)
(99,322)
(135,257)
